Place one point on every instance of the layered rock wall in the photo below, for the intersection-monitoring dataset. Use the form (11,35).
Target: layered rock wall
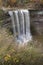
(37,21)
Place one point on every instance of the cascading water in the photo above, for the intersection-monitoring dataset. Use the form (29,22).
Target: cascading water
(21,25)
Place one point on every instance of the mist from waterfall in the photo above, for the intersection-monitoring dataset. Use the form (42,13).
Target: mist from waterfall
(21,25)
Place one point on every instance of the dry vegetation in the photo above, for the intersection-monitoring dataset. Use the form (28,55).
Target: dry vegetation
(13,54)
(22,3)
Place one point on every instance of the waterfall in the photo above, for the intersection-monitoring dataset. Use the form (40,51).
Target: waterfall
(13,23)
(21,25)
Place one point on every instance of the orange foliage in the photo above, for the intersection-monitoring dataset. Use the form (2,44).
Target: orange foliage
(0,2)
(12,1)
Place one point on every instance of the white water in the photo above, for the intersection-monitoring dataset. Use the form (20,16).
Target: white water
(21,25)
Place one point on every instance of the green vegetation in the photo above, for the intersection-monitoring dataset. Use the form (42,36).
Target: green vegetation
(13,54)
(28,55)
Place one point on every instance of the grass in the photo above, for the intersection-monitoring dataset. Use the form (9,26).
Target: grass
(12,54)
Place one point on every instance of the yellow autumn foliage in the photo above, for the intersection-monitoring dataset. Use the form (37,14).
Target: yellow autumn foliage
(7,57)
(16,60)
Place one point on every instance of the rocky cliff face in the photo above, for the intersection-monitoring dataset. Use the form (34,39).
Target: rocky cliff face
(37,21)
(36,18)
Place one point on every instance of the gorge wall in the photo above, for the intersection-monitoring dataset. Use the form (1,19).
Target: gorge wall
(37,21)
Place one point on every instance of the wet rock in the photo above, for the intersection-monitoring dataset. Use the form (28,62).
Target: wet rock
(37,21)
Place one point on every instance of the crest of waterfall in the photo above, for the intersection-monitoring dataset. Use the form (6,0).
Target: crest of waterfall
(21,25)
